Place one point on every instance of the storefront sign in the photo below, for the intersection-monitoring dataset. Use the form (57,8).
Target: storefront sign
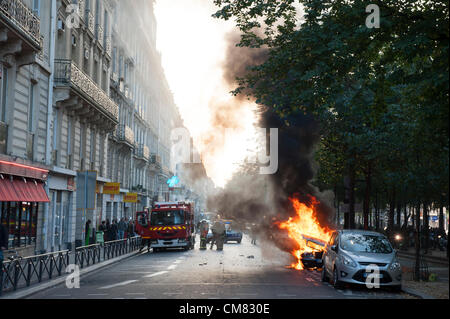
(111,188)
(130,198)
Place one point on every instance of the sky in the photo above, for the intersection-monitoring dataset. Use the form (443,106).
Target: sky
(193,49)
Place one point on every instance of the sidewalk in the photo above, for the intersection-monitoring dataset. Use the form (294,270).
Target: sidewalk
(27,291)
(438,289)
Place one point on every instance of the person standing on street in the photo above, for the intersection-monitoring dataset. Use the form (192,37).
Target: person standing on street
(253,234)
(88,232)
(131,229)
(122,227)
(114,229)
(103,229)
(108,232)
(218,230)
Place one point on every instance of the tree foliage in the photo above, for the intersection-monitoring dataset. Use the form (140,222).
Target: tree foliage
(380,94)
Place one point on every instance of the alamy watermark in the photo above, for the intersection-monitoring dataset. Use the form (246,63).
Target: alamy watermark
(73,279)
(181,151)
(373,19)
(373,276)
(73,17)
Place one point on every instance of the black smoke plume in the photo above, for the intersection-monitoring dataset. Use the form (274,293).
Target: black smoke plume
(264,199)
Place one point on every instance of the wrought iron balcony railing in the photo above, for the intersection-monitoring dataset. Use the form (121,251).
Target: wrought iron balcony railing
(142,151)
(90,21)
(108,47)
(155,159)
(124,133)
(68,74)
(82,8)
(100,34)
(22,18)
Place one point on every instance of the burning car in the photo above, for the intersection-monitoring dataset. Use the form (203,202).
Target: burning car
(313,258)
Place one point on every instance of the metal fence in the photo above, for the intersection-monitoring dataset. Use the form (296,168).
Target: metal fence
(24,272)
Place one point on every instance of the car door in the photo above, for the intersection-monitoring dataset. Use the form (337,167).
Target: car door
(330,255)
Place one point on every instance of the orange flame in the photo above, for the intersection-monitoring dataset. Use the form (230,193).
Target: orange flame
(305,224)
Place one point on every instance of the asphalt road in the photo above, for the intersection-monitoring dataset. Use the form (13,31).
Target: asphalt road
(241,271)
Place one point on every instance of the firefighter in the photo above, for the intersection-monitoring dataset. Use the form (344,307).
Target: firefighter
(204,229)
(218,230)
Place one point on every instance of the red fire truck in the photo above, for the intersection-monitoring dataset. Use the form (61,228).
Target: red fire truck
(168,225)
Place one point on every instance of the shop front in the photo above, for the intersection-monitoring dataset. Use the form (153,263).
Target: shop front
(22,197)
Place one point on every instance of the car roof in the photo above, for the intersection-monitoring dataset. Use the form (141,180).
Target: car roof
(361,231)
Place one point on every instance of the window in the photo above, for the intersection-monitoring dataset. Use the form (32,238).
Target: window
(355,242)
(37,7)
(20,220)
(31,107)
(3,88)
(167,218)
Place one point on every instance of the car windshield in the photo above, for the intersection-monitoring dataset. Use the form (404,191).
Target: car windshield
(167,218)
(362,243)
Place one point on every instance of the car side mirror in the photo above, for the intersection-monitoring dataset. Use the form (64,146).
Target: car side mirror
(334,248)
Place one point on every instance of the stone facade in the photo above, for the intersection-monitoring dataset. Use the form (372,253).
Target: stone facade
(83,89)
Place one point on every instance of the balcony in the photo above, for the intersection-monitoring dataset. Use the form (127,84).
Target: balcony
(108,47)
(100,35)
(155,163)
(90,21)
(142,152)
(18,17)
(125,134)
(81,8)
(68,75)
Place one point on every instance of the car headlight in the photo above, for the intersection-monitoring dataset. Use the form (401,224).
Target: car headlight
(348,261)
(395,265)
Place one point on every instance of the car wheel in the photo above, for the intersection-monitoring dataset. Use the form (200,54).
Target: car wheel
(336,283)
(239,241)
(324,274)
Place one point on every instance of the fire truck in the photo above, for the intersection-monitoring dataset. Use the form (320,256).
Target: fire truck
(168,225)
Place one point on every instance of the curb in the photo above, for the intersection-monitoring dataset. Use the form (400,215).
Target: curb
(416,293)
(25,292)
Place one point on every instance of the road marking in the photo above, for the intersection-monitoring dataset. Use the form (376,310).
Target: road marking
(172,267)
(119,284)
(178,261)
(156,274)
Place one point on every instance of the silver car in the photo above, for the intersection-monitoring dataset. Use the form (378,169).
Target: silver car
(357,257)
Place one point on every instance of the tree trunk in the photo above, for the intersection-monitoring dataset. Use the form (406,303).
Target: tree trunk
(405,217)
(391,212)
(425,227)
(352,201)
(367,197)
(417,244)
(377,216)
(399,214)
(441,217)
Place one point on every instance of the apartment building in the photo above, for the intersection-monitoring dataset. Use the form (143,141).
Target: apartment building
(85,118)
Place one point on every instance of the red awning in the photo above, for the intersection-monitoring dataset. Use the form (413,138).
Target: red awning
(18,190)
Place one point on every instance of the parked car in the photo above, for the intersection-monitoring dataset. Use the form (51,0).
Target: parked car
(349,253)
(233,235)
